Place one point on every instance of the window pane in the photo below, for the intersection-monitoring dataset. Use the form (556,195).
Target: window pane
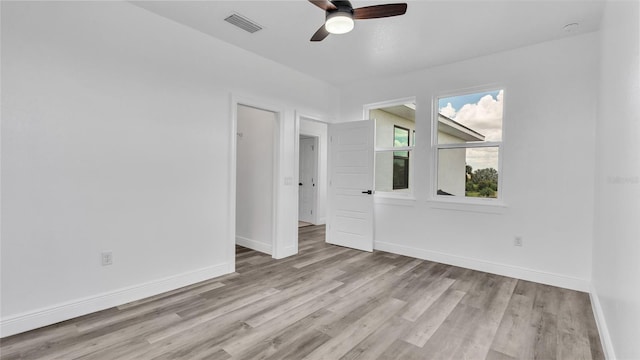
(401,172)
(400,136)
(384,171)
(470,118)
(389,124)
(470,172)
(392,172)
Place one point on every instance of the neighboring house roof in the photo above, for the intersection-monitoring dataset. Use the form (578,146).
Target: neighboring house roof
(449,126)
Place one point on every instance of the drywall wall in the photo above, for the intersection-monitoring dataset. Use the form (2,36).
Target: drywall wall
(256,152)
(549,122)
(616,249)
(319,129)
(116,136)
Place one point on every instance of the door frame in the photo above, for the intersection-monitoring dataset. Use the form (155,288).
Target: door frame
(298,116)
(237,100)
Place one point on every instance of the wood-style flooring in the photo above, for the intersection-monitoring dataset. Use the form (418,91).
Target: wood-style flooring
(331,303)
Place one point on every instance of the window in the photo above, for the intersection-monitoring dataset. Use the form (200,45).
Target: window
(467,144)
(395,137)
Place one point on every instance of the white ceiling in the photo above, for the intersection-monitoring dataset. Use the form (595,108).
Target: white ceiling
(431,33)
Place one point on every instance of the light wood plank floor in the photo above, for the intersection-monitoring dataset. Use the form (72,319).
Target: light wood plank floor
(332,303)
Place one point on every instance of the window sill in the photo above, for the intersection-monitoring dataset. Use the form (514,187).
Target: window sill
(480,206)
(386,198)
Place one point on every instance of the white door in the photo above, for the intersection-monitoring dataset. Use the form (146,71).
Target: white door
(307,179)
(350,205)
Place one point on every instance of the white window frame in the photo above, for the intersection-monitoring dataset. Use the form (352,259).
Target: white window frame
(464,200)
(409,194)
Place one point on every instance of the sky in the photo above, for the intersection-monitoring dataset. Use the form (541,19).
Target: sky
(458,101)
(481,112)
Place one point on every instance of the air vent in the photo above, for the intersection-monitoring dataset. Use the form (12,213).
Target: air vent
(243,23)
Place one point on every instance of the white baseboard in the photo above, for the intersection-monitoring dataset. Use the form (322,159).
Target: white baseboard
(517,272)
(253,244)
(603,330)
(30,320)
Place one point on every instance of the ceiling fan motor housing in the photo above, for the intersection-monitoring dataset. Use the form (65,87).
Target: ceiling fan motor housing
(344,7)
(340,19)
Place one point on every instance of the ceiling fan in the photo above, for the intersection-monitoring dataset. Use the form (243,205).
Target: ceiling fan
(340,15)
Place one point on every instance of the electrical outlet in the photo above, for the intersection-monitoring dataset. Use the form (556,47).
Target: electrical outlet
(107,258)
(517,241)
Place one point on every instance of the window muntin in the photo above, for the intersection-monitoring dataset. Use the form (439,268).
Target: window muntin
(467,144)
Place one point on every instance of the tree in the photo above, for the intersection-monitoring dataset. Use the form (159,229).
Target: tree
(483,182)
(487,192)
(485,175)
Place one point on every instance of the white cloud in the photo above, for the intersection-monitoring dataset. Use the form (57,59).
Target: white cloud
(482,158)
(484,117)
(448,111)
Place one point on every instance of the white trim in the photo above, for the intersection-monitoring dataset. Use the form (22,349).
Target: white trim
(254,244)
(603,330)
(298,116)
(233,158)
(517,272)
(460,203)
(296,173)
(30,320)
(278,179)
(387,198)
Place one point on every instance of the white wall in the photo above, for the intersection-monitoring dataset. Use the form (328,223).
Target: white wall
(319,130)
(550,104)
(616,249)
(116,136)
(255,169)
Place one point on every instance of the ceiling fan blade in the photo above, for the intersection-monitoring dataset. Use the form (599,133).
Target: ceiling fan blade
(379,11)
(325,5)
(321,34)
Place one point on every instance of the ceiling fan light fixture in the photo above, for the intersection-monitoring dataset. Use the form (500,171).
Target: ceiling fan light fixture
(339,23)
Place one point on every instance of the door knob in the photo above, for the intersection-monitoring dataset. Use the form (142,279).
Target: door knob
(368,192)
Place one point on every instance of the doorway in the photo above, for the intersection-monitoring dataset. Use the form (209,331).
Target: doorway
(312,157)
(307,180)
(256,171)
